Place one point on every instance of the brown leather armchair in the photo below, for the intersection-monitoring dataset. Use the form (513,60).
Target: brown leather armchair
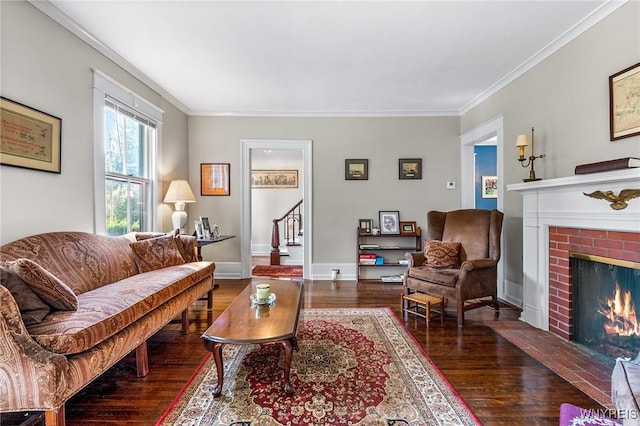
(475,276)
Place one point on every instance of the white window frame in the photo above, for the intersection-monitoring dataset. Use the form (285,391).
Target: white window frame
(104,86)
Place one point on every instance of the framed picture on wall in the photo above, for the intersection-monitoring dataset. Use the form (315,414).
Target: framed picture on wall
(489,186)
(365,226)
(624,102)
(410,168)
(274,178)
(356,169)
(215,179)
(29,138)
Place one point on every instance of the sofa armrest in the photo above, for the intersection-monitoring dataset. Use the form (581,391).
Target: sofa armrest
(39,370)
(414,258)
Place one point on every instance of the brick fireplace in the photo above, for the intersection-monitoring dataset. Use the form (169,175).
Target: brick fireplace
(559,218)
(598,242)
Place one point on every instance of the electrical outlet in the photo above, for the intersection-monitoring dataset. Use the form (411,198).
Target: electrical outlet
(451,184)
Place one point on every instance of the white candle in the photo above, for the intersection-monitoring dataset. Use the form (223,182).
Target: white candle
(263,291)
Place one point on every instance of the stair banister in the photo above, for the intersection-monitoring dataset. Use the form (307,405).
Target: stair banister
(291,217)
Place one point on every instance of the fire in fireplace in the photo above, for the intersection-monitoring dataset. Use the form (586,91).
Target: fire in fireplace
(606,293)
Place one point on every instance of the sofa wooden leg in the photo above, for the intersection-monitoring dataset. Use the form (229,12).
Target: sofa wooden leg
(185,321)
(142,360)
(54,418)
(210,299)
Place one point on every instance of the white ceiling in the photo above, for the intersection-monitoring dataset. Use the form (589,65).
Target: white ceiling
(328,57)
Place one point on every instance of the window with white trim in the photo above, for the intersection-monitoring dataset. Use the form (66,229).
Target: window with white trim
(126,142)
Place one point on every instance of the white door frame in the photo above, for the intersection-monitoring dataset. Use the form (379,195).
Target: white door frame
(245,208)
(489,129)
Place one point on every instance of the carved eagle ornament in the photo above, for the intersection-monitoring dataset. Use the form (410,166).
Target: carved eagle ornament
(618,202)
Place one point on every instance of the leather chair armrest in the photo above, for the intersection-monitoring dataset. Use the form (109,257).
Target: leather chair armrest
(469,265)
(414,258)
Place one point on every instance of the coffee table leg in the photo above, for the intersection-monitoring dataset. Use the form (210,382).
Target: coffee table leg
(288,351)
(216,350)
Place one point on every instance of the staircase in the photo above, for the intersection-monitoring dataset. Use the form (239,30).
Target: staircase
(291,237)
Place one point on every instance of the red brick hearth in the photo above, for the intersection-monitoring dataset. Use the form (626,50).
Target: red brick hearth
(612,244)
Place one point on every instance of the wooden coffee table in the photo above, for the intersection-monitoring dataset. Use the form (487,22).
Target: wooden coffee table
(243,324)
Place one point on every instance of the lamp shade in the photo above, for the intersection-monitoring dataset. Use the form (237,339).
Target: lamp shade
(179,192)
(522,140)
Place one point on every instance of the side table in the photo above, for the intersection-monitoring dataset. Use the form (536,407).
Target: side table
(206,241)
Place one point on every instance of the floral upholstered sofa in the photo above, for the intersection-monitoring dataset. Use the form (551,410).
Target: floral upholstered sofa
(72,304)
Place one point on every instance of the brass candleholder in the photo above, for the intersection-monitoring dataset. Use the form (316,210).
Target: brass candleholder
(522,143)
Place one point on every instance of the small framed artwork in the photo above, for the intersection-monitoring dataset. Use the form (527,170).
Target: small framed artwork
(29,138)
(356,169)
(199,230)
(215,179)
(365,226)
(215,233)
(274,178)
(489,186)
(624,100)
(410,168)
(389,222)
(407,228)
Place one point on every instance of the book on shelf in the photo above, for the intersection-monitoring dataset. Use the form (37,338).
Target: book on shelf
(367,255)
(369,246)
(391,278)
(367,262)
(605,166)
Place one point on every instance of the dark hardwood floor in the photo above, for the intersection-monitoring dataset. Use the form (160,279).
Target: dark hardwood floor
(500,382)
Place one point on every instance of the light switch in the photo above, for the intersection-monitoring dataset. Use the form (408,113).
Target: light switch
(451,184)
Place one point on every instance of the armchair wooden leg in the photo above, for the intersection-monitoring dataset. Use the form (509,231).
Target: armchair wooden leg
(460,313)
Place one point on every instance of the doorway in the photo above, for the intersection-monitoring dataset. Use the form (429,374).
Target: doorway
(490,131)
(250,146)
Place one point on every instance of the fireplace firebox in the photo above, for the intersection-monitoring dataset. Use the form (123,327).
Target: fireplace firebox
(606,304)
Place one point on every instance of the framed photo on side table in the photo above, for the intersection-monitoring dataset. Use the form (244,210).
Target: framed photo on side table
(29,138)
(206,226)
(389,222)
(215,179)
(199,230)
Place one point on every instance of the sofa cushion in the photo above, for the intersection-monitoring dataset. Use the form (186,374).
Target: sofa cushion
(442,254)
(107,310)
(186,244)
(156,253)
(32,308)
(47,286)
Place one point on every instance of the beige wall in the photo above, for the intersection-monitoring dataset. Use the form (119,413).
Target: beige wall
(337,204)
(566,99)
(45,67)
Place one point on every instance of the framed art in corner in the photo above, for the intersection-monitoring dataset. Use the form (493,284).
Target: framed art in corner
(29,138)
(389,222)
(624,103)
(410,168)
(356,169)
(215,179)
(489,186)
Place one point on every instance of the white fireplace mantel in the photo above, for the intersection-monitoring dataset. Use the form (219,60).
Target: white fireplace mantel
(561,202)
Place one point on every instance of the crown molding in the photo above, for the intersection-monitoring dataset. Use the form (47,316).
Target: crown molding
(63,19)
(590,20)
(327,114)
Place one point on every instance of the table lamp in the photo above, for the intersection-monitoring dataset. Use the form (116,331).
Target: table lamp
(179,193)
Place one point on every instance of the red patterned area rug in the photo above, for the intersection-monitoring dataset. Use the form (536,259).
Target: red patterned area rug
(354,366)
(277,271)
